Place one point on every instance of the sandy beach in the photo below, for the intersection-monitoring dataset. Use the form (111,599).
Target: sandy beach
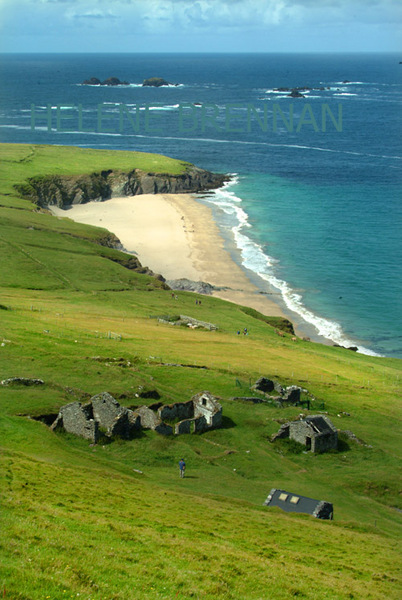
(176,236)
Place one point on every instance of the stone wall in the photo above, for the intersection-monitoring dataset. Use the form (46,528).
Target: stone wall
(299,431)
(149,419)
(179,410)
(106,409)
(325,441)
(288,395)
(206,405)
(103,414)
(78,419)
(186,426)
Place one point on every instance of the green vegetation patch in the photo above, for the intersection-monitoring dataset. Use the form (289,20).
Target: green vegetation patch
(115,520)
(278,322)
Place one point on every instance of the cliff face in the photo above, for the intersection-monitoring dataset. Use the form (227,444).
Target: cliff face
(65,190)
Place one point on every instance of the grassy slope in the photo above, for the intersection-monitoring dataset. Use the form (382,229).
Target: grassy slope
(80,520)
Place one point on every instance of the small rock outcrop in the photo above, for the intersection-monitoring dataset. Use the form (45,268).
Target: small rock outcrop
(114,81)
(200,287)
(296,94)
(92,81)
(190,322)
(156,82)
(109,81)
(22,381)
(353,348)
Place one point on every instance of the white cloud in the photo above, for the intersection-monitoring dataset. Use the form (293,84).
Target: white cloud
(198,14)
(238,23)
(92,14)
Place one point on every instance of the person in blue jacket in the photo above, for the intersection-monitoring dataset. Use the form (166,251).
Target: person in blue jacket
(182,467)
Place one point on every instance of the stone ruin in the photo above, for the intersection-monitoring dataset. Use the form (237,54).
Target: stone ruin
(315,432)
(189,322)
(22,381)
(104,415)
(272,391)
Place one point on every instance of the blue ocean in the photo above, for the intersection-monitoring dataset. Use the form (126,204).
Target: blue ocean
(312,212)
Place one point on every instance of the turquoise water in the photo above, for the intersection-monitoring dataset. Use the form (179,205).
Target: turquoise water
(315,245)
(315,214)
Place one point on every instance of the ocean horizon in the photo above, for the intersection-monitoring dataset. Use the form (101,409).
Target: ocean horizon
(312,212)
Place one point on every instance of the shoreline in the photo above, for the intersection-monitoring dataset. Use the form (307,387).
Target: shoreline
(176,236)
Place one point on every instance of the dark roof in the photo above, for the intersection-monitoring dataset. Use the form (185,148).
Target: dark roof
(290,502)
(319,424)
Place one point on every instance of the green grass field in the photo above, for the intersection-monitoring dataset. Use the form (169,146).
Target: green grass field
(80,521)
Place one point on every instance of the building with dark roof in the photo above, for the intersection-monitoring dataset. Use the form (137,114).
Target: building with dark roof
(299,504)
(315,432)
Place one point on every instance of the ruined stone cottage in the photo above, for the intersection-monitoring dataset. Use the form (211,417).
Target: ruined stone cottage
(199,414)
(104,415)
(315,432)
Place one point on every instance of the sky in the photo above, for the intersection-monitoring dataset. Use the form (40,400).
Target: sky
(200,26)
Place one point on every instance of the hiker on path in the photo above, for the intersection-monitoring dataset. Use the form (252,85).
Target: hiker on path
(182,467)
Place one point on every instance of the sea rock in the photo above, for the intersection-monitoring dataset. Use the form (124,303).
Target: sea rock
(92,81)
(109,81)
(296,94)
(114,81)
(353,348)
(155,82)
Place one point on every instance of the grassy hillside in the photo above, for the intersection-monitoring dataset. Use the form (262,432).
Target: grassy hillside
(82,521)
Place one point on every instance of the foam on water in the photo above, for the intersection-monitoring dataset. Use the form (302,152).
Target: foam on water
(256,260)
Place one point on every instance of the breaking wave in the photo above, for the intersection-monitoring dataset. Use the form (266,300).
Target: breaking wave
(256,260)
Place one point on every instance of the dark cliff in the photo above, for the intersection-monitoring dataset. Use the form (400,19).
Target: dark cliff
(63,190)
